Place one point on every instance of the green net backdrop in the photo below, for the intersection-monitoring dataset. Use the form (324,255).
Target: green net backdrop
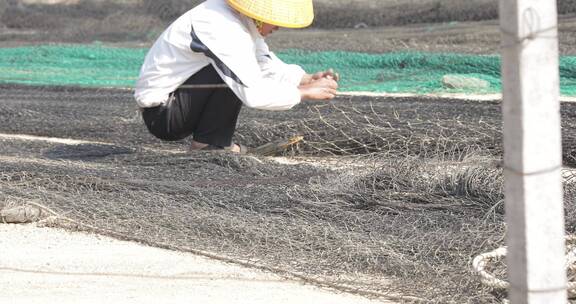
(405,72)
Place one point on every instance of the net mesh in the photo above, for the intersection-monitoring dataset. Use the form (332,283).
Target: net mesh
(412,72)
(385,196)
(397,200)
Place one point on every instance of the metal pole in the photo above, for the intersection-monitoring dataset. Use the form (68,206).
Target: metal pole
(532,152)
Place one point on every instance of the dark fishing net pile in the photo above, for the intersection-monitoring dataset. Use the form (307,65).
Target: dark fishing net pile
(396,127)
(384,196)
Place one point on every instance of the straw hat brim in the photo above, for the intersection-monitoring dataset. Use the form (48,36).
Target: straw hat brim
(288,13)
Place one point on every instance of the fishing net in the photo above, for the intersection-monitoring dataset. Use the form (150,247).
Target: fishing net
(103,43)
(412,72)
(386,197)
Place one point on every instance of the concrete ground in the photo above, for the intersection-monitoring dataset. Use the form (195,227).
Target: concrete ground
(46,265)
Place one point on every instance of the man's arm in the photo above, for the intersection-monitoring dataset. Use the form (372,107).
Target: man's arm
(319,86)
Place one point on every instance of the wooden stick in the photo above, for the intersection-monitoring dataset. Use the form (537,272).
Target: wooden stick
(203,86)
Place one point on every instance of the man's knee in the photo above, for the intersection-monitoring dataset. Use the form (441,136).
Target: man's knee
(157,124)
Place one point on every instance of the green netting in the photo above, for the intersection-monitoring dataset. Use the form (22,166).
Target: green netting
(78,65)
(401,72)
(408,72)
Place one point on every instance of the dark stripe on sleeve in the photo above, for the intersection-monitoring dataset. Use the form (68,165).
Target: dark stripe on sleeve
(199,47)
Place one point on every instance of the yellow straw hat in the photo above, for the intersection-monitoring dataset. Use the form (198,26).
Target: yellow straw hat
(284,13)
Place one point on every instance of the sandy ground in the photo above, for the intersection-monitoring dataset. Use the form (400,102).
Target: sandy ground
(46,265)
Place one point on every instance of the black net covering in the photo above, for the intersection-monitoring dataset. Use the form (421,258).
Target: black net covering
(385,196)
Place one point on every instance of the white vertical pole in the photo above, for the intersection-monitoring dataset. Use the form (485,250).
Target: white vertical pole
(532,152)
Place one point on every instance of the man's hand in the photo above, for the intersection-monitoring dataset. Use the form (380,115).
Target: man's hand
(330,74)
(324,88)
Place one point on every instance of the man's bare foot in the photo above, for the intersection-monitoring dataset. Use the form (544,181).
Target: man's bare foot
(197,146)
(194,146)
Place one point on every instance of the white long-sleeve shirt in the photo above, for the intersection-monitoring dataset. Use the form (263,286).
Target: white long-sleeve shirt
(214,33)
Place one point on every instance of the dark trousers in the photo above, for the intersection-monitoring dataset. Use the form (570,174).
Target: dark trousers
(209,115)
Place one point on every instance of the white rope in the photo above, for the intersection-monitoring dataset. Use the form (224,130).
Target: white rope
(480,263)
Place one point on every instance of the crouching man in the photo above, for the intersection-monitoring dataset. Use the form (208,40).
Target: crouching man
(214,59)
